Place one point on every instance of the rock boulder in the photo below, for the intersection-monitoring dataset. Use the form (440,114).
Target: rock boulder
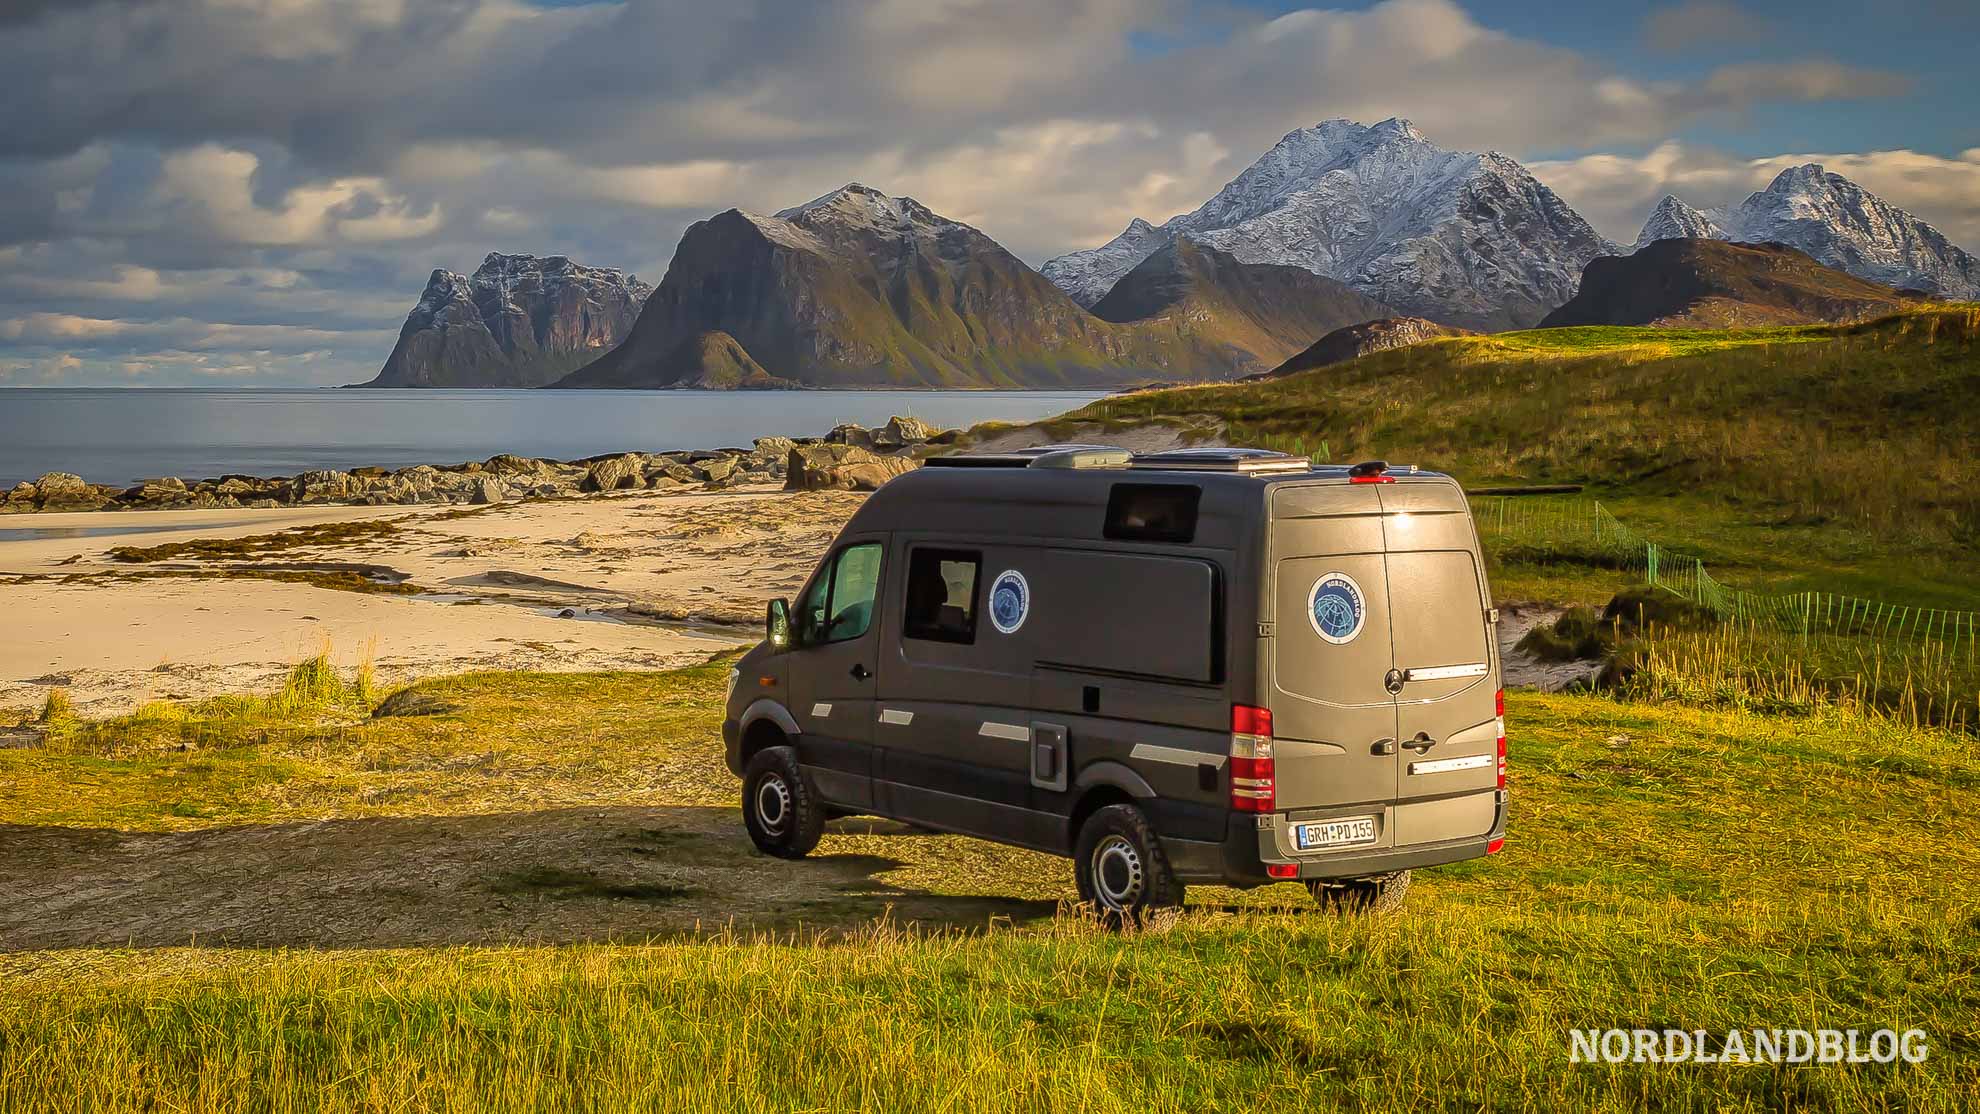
(840,467)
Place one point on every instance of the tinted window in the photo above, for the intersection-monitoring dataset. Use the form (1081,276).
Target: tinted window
(839,603)
(941,595)
(1152,512)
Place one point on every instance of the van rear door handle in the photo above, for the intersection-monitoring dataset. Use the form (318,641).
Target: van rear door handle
(1422,743)
(1383,747)
(860,672)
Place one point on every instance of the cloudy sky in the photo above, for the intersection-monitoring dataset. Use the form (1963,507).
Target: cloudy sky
(252,192)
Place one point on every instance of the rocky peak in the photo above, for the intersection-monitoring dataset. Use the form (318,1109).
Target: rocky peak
(519,321)
(1456,236)
(1838,223)
(1672,219)
(861,205)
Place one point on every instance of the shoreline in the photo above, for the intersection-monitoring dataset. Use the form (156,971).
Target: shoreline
(504,477)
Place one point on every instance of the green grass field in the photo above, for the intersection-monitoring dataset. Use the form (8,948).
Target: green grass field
(1669,866)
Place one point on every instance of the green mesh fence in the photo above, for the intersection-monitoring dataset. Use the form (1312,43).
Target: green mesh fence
(1581,529)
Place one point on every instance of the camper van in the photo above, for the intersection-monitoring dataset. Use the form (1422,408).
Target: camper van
(1221,666)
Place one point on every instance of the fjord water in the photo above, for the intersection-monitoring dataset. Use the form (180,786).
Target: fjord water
(115,435)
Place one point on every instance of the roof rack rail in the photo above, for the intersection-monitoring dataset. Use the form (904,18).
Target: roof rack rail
(1244,461)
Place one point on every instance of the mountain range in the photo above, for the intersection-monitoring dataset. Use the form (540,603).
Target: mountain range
(518,321)
(857,288)
(1337,225)
(1838,223)
(1460,238)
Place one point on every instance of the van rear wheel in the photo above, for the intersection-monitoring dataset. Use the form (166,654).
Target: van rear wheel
(1119,866)
(1381,893)
(781,810)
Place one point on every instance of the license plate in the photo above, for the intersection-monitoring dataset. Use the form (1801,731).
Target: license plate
(1334,833)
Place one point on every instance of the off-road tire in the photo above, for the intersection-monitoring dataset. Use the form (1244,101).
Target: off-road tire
(1380,893)
(780,806)
(1120,869)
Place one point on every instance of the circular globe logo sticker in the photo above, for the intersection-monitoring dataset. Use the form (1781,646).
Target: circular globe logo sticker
(1335,608)
(1010,601)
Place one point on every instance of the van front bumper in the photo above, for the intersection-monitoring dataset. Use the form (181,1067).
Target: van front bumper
(1254,841)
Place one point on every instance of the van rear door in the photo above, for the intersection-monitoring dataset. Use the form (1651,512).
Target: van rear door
(1329,653)
(1447,714)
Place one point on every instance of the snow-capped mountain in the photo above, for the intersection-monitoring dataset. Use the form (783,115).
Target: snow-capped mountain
(1836,221)
(1463,238)
(518,321)
(1672,219)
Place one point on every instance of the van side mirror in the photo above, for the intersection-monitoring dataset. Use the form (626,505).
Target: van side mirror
(777,624)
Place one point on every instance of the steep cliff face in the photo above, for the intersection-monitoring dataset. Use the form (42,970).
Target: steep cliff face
(518,321)
(1710,284)
(1837,223)
(1463,238)
(860,289)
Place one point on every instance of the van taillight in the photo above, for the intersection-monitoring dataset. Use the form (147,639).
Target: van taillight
(1500,702)
(1251,759)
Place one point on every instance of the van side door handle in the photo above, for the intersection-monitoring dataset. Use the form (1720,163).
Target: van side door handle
(860,672)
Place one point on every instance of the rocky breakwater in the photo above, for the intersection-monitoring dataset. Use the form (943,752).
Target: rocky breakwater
(851,458)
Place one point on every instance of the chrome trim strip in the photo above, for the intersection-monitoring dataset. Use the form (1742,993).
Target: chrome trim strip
(1447,765)
(1446,672)
(1175,756)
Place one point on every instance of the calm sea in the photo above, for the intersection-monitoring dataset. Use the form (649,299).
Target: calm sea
(117,435)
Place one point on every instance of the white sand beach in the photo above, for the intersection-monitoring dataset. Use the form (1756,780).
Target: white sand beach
(635,581)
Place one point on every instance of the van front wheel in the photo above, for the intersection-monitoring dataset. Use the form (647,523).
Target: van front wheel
(1381,893)
(1120,868)
(780,808)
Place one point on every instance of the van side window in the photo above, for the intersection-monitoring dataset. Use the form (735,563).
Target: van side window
(838,606)
(941,595)
(1152,512)
(855,583)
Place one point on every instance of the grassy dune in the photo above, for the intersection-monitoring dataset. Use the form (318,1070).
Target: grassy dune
(1669,866)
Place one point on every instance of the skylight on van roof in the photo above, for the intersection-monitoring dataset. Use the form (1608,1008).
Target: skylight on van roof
(1249,461)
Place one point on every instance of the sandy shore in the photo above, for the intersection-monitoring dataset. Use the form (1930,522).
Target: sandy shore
(639,581)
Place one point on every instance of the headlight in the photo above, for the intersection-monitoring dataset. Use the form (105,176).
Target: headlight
(735,675)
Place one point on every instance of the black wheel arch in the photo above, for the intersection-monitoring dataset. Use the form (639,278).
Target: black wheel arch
(1099,785)
(764,724)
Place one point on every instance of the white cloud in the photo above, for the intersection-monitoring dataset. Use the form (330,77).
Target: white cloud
(215,185)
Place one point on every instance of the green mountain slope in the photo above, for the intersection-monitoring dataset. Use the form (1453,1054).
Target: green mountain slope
(1266,310)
